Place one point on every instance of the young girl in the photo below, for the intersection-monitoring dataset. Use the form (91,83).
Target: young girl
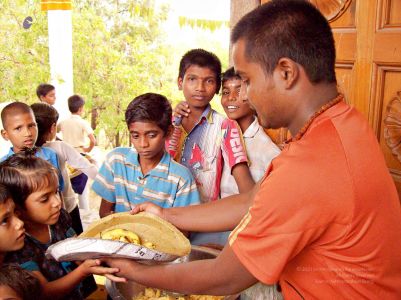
(33,183)
(46,118)
(12,230)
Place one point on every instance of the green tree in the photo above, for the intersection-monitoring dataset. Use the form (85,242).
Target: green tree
(24,58)
(119,53)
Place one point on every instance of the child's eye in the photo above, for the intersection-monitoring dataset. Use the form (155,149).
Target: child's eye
(152,135)
(44,199)
(210,81)
(4,221)
(225,93)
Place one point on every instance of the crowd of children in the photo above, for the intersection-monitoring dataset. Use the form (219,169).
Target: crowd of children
(194,157)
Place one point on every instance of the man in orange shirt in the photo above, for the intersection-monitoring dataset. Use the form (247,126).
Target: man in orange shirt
(325,221)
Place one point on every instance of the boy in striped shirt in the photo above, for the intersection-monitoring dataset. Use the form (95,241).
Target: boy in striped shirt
(145,172)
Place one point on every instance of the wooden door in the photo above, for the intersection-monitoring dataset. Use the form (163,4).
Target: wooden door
(368,66)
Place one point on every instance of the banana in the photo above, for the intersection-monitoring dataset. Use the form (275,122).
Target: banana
(122,235)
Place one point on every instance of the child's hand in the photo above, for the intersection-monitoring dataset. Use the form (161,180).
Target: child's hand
(93,266)
(181,110)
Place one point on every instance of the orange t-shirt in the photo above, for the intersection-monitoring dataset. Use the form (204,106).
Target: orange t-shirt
(326,221)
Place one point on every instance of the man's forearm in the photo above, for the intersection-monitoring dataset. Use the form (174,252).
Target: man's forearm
(220,215)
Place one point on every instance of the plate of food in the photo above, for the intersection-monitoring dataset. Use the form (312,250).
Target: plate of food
(142,236)
(134,291)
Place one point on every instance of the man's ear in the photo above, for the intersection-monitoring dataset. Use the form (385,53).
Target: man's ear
(179,83)
(4,135)
(288,71)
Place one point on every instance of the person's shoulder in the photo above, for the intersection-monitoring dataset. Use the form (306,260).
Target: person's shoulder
(47,151)
(179,169)
(120,154)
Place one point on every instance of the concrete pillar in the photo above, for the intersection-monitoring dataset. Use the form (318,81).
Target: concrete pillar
(60,51)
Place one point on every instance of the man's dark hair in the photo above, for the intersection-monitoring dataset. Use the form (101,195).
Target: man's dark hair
(43,89)
(229,74)
(204,59)
(13,109)
(4,194)
(45,116)
(294,29)
(75,102)
(23,282)
(150,107)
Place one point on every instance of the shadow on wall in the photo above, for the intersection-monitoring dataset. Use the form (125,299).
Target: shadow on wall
(4,145)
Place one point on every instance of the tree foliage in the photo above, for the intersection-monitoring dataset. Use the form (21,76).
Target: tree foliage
(24,58)
(119,51)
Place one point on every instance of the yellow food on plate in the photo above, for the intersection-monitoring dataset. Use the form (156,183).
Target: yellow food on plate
(124,235)
(156,294)
(151,231)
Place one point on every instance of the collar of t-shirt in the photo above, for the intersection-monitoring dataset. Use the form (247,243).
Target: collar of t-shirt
(252,130)
(161,170)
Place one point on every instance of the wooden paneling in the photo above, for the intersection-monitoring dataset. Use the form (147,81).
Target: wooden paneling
(344,74)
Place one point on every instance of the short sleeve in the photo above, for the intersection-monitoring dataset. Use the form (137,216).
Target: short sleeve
(187,193)
(233,146)
(87,127)
(103,185)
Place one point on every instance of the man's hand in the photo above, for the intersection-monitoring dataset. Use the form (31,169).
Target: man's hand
(125,267)
(150,208)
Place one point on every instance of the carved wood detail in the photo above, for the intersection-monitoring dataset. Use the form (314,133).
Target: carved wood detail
(331,9)
(392,126)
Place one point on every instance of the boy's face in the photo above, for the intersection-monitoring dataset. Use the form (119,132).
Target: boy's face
(7,293)
(12,232)
(198,86)
(20,130)
(42,206)
(234,102)
(49,98)
(148,140)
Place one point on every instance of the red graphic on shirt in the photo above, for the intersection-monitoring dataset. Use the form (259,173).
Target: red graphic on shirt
(232,142)
(196,160)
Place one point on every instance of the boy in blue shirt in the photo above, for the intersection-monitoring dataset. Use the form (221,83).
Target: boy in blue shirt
(146,173)
(21,130)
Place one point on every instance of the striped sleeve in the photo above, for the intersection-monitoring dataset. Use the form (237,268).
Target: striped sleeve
(187,193)
(103,185)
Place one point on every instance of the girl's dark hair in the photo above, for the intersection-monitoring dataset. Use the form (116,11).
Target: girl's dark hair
(288,28)
(23,282)
(4,194)
(150,107)
(204,59)
(43,89)
(23,174)
(229,74)
(45,115)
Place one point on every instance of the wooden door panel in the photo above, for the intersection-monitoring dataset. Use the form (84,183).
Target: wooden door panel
(345,76)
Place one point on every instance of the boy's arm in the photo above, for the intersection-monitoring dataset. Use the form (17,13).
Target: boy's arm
(77,161)
(106,208)
(235,155)
(92,143)
(58,288)
(243,177)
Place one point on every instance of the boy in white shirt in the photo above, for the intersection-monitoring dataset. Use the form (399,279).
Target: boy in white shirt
(259,147)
